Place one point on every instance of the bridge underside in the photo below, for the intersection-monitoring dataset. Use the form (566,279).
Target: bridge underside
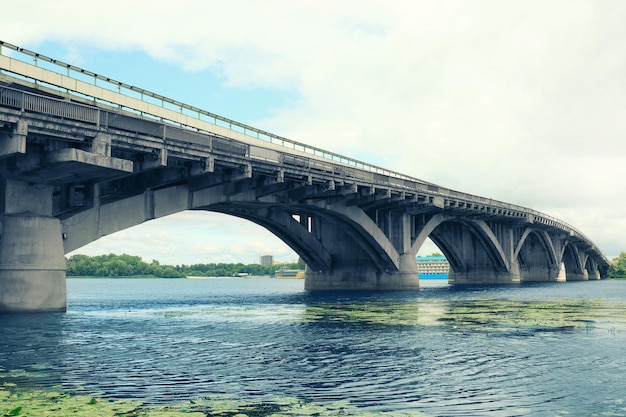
(344,246)
(65,183)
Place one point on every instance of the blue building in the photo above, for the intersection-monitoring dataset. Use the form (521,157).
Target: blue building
(433,267)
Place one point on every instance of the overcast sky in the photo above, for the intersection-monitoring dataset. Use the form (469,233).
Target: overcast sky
(520,101)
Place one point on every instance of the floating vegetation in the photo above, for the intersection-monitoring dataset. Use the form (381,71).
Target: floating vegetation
(479,314)
(265,313)
(232,406)
(536,316)
(386,313)
(41,403)
(482,314)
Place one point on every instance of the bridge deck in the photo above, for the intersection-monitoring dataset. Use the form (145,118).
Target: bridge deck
(107,97)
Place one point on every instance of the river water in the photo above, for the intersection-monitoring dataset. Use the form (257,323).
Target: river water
(537,349)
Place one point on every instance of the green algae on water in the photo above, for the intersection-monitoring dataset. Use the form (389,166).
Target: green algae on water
(559,315)
(41,403)
(377,312)
(480,314)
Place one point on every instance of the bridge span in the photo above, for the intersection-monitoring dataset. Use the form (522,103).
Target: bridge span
(83,156)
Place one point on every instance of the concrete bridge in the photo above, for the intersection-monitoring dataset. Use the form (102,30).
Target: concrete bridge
(83,156)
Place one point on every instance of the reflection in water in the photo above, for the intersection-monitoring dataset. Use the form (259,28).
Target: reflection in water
(438,351)
(29,344)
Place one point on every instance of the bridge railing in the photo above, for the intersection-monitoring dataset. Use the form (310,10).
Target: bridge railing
(149,97)
(89,114)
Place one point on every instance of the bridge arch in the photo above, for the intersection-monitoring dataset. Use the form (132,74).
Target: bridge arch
(337,242)
(591,266)
(283,225)
(573,262)
(537,257)
(475,252)
(317,233)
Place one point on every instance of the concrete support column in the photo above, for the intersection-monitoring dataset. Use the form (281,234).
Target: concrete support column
(32,264)
(542,273)
(479,253)
(407,278)
(595,275)
(577,276)
(562,277)
(344,278)
(486,275)
(341,278)
(355,266)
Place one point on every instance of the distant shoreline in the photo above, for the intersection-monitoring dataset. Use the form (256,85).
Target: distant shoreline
(155,277)
(116,277)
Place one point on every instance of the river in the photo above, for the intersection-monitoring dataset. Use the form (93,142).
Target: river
(547,349)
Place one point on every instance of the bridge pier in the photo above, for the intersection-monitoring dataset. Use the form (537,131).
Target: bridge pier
(595,275)
(483,276)
(360,276)
(32,259)
(577,276)
(542,273)
(32,264)
(538,259)
(363,255)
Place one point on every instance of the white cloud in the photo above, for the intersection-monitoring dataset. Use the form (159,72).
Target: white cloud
(192,237)
(519,101)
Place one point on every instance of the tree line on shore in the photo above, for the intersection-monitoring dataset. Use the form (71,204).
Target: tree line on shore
(618,267)
(112,265)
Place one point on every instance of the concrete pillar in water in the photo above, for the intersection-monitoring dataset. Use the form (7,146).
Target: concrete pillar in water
(577,276)
(542,273)
(362,276)
(562,276)
(356,268)
(407,278)
(484,276)
(32,264)
(595,275)
(32,260)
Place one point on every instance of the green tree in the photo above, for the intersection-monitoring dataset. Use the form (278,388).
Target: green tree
(618,267)
(112,265)
(300,264)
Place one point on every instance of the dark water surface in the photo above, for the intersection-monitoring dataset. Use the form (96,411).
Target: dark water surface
(537,350)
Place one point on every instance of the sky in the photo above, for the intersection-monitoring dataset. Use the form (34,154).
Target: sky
(519,101)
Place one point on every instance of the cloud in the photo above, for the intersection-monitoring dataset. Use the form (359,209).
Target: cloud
(194,237)
(518,101)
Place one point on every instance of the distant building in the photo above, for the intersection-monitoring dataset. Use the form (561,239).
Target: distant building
(433,267)
(266,260)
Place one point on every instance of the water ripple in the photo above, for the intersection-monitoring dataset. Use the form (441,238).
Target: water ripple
(443,353)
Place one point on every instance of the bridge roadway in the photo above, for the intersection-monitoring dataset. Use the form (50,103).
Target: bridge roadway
(79,162)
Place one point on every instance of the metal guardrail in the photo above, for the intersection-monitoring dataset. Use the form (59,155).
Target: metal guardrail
(48,105)
(78,73)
